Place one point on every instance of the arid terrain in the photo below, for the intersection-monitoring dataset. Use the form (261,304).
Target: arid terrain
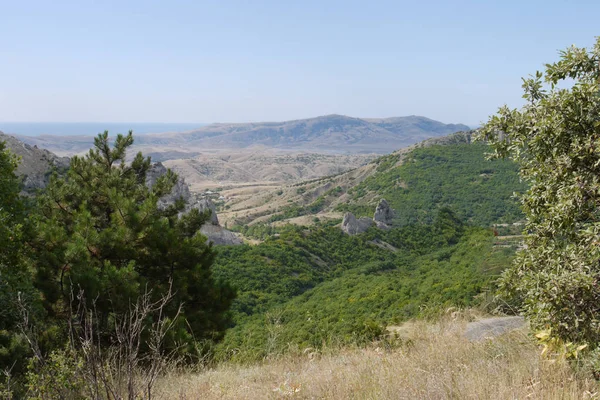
(255,203)
(424,361)
(260,168)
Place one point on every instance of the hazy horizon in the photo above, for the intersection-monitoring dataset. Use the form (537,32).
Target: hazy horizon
(455,62)
(24,128)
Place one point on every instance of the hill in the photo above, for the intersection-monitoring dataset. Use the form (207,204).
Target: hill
(449,171)
(315,285)
(36,164)
(337,133)
(330,133)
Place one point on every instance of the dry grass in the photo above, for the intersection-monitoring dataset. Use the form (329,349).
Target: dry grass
(438,363)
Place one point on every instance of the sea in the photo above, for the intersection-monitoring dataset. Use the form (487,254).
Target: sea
(93,128)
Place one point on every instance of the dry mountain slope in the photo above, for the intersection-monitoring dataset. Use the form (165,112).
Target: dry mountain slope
(318,197)
(330,133)
(256,168)
(36,164)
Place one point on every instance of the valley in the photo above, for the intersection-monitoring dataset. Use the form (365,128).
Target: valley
(436,247)
(299,200)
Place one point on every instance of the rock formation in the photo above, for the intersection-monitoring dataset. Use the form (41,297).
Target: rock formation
(206,204)
(212,230)
(353,226)
(216,234)
(384,215)
(382,219)
(180,190)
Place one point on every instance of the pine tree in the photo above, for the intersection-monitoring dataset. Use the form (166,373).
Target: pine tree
(15,278)
(102,233)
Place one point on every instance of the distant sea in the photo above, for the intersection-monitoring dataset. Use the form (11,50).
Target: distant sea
(92,128)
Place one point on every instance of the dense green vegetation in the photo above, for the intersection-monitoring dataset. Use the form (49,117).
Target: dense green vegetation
(96,240)
(308,287)
(456,176)
(15,277)
(101,231)
(85,267)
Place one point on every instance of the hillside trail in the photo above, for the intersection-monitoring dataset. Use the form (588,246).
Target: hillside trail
(491,327)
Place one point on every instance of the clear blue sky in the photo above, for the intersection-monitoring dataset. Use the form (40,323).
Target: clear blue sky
(237,61)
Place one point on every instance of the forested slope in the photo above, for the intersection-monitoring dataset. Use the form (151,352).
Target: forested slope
(308,286)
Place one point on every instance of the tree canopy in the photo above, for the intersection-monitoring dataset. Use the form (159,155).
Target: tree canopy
(101,232)
(15,279)
(555,139)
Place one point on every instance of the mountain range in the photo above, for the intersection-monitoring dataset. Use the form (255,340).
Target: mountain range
(325,134)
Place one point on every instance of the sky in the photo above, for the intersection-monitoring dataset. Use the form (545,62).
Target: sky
(241,61)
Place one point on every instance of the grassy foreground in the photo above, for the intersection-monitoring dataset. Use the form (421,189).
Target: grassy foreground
(435,362)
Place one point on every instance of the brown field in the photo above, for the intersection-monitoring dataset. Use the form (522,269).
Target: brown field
(436,362)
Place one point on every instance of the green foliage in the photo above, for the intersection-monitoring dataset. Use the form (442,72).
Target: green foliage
(15,277)
(61,377)
(291,211)
(457,176)
(101,231)
(554,139)
(310,287)
(257,231)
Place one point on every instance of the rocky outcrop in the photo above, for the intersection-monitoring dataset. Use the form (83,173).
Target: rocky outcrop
(384,215)
(353,226)
(491,327)
(216,234)
(206,204)
(36,164)
(180,190)
(382,219)
(212,230)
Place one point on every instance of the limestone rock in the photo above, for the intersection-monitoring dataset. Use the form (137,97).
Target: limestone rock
(219,235)
(492,327)
(206,204)
(384,215)
(212,230)
(180,190)
(353,226)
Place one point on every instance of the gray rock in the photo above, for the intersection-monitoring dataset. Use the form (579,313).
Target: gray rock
(353,226)
(384,215)
(180,190)
(218,235)
(206,204)
(213,231)
(492,327)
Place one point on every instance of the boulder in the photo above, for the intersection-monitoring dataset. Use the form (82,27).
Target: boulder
(353,226)
(218,235)
(384,215)
(491,327)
